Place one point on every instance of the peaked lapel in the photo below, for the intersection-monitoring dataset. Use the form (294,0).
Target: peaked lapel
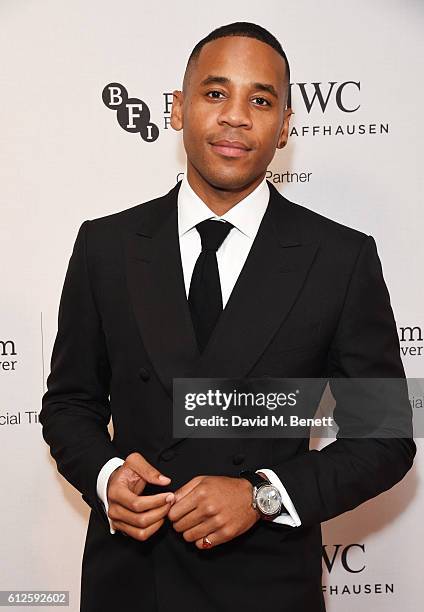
(269,282)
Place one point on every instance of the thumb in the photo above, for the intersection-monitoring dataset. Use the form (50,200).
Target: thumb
(143,468)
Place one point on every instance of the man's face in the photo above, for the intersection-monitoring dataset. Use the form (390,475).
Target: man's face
(225,100)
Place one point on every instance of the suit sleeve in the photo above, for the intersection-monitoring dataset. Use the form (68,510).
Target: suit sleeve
(325,483)
(75,408)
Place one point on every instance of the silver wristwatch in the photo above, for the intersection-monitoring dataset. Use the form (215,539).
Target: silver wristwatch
(266,497)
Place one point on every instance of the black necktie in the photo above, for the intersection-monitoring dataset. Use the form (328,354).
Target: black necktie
(205,297)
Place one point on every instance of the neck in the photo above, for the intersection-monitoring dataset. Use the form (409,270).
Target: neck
(218,200)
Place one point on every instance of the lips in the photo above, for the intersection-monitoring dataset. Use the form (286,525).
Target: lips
(230,148)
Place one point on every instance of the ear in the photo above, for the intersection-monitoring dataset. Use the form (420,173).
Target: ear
(284,134)
(177,109)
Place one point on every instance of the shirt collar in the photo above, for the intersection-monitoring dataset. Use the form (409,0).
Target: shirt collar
(246,215)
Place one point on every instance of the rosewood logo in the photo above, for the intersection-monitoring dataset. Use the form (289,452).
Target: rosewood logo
(411,340)
(7,349)
(133,114)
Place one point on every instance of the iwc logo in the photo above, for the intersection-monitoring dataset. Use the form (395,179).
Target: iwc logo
(133,114)
(349,560)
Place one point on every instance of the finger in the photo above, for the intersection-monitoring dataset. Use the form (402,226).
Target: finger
(183,507)
(187,487)
(220,536)
(139,519)
(215,538)
(123,496)
(138,533)
(189,520)
(197,532)
(147,471)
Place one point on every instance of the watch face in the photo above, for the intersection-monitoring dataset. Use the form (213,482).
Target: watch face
(268,499)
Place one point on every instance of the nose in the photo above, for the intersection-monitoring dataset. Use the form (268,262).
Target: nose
(236,113)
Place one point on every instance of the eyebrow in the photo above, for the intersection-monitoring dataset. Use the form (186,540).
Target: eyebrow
(226,81)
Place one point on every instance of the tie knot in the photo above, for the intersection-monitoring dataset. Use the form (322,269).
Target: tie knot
(213,233)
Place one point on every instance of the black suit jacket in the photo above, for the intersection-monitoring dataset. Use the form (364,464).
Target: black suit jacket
(310,301)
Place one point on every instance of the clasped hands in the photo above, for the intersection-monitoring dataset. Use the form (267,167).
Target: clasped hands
(218,507)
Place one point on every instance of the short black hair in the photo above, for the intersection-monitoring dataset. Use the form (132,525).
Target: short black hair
(241,28)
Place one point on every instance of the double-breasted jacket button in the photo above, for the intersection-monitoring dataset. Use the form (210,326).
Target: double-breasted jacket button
(144,374)
(167,454)
(238,459)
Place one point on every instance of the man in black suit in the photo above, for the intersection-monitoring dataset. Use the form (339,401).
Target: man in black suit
(285,292)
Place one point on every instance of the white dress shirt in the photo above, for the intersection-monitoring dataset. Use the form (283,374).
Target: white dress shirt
(246,217)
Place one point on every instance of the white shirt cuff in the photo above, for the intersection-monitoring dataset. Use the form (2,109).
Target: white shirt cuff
(286,518)
(102,480)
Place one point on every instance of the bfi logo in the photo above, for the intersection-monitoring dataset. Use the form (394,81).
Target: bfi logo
(133,114)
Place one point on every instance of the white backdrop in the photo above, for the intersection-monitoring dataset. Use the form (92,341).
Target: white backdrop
(65,158)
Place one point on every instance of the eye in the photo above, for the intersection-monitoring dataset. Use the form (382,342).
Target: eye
(214,91)
(259,98)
